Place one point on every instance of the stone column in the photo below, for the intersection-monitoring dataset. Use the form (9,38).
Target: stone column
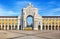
(1,26)
(8,27)
(54,27)
(51,26)
(14,26)
(35,25)
(48,27)
(41,24)
(24,25)
(18,27)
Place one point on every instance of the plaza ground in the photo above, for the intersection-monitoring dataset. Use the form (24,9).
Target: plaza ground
(21,34)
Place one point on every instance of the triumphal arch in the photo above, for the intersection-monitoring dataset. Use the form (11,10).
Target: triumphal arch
(31,11)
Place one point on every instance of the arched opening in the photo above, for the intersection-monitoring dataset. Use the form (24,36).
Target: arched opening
(12,27)
(6,27)
(30,21)
(49,27)
(19,27)
(3,27)
(56,27)
(9,27)
(43,27)
(16,27)
(0,27)
(39,27)
(46,27)
(53,27)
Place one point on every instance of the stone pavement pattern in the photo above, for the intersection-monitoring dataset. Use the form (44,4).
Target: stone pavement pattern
(19,34)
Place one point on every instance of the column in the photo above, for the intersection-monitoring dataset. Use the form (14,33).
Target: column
(25,24)
(35,25)
(18,27)
(1,26)
(14,26)
(54,27)
(48,27)
(51,26)
(58,26)
(8,27)
(41,24)
(41,27)
(18,24)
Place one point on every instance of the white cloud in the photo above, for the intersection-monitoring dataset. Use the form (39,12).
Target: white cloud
(53,12)
(17,7)
(3,12)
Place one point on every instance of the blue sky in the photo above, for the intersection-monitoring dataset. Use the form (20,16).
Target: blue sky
(45,7)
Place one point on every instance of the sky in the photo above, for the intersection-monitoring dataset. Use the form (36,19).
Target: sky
(14,7)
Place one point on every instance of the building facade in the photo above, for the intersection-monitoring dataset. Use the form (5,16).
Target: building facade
(39,22)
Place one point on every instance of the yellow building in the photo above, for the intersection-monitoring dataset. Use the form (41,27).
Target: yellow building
(51,22)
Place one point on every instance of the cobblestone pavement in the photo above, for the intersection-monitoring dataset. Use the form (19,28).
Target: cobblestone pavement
(19,34)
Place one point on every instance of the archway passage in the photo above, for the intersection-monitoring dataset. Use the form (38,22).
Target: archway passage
(39,27)
(19,27)
(30,22)
(49,27)
(9,27)
(46,27)
(3,27)
(6,27)
(53,27)
(43,27)
(56,27)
